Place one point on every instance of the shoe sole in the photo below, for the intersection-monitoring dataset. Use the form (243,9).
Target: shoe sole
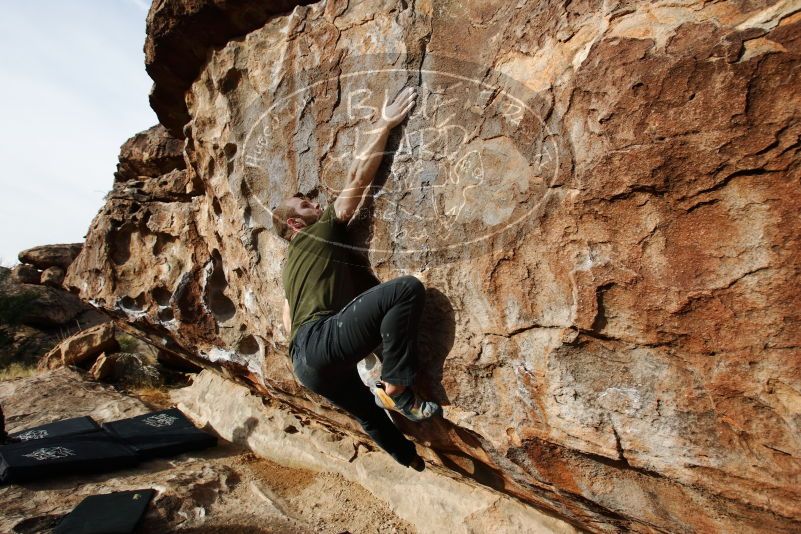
(386,400)
(389,404)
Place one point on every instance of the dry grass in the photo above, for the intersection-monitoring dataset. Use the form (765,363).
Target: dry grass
(155,398)
(17,370)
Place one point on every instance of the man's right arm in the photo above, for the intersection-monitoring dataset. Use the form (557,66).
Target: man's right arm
(366,163)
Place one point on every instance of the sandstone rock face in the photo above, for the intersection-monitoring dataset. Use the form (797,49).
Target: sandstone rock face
(292,440)
(59,255)
(601,199)
(179,36)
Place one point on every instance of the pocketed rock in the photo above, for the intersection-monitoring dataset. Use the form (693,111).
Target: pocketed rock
(58,255)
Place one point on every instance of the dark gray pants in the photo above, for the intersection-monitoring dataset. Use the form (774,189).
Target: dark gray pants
(326,350)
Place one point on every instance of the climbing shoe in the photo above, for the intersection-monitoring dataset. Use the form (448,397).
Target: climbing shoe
(408,404)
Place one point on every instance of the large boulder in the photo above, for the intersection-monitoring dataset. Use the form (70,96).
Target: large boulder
(40,306)
(59,255)
(600,197)
(150,153)
(125,368)
(33,318)
(52,276)
(180,34)
(26,274)
(82,346)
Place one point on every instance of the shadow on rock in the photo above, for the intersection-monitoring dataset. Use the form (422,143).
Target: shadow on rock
(241,434)
(458,449)
(435,341)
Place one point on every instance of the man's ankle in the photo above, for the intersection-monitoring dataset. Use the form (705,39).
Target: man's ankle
(393,389)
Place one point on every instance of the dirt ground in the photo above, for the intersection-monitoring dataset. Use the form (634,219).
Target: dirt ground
(220,490)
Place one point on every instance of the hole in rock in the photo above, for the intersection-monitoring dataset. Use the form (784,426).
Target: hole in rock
(230,150)
(230,80)
(215,204)
(119,244)
(162,240)
(134,303)
(220,306)
(161,296)
(186,298)
(249,345)
(600,321)
(166,314)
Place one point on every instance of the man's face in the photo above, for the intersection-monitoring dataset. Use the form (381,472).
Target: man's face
(307,211)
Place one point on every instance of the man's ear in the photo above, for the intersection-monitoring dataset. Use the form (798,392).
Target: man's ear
(295,223)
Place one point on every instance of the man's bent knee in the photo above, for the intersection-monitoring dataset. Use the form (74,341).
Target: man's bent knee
(413,285)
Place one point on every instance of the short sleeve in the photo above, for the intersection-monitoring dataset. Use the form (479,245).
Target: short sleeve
(328,227)
(329,217)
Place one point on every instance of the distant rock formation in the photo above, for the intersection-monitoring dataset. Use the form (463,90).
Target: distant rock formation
(601,197)
(46,256)
(45,264)
(34,318)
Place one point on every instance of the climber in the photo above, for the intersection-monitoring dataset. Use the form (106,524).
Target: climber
(333,328)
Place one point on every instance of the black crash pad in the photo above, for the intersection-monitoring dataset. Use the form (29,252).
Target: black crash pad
(110,513)
(46,458)
(65,427)
(163,433)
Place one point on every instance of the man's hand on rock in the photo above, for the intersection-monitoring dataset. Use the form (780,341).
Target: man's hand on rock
(393,114)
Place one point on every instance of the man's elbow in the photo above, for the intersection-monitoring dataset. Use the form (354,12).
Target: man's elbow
(344,213)
(347,203)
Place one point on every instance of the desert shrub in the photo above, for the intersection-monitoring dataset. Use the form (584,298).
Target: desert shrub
(17,370)
(127,342)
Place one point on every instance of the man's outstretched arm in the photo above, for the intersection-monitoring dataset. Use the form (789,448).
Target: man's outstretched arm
(366,161)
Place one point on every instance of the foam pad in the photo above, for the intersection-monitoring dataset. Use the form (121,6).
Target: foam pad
(163,433)
(110,513)
(65,427)
(46,458)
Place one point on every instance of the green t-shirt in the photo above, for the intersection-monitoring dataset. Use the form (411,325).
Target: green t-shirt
(317,278)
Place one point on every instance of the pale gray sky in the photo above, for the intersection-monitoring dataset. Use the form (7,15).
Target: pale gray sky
(73,89)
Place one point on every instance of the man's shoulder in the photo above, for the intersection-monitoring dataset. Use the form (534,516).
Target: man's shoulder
(330,215)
